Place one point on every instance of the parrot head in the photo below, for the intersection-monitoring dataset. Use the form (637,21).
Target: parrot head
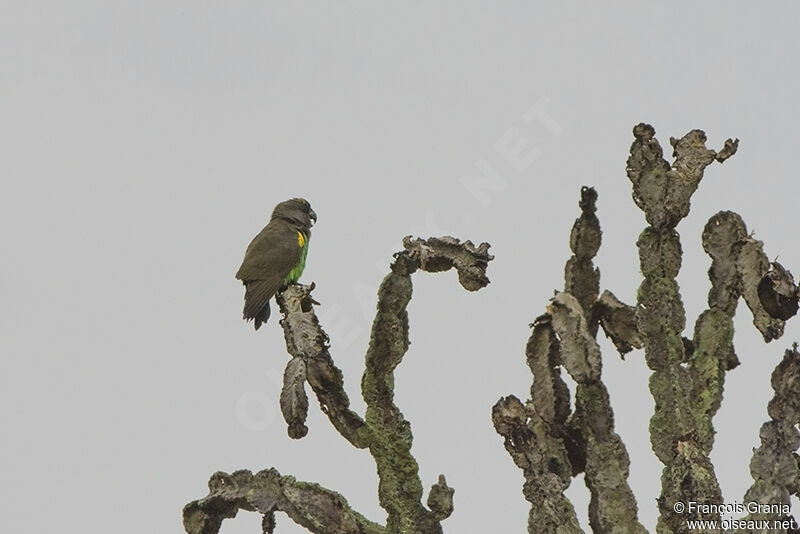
(296,211)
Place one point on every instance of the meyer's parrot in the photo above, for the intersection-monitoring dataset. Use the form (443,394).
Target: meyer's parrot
(276,256)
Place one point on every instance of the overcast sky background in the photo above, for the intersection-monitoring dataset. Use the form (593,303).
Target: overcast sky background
(143,144)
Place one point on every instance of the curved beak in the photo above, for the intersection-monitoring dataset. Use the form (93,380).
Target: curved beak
(312,215)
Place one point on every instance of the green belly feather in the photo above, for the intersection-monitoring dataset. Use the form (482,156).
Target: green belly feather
(297,270)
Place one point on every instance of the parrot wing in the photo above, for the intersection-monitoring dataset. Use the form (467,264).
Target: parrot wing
(269,259)
(272,254)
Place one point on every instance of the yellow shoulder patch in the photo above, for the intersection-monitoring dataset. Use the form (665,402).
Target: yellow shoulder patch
(301,241)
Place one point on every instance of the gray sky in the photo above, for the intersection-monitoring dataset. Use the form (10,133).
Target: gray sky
(142,146)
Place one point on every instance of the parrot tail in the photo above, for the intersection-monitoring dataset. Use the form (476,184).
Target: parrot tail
(256,301)
(263,317)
